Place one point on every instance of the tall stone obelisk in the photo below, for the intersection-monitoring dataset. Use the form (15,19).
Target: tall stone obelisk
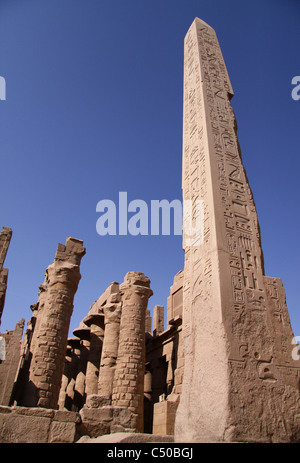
(240,380)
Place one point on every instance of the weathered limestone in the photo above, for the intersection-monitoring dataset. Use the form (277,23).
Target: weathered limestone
(128,386)
(237,384)
(46,369)
(5,237)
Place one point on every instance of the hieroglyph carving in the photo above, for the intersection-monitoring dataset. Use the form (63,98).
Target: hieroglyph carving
(229,349)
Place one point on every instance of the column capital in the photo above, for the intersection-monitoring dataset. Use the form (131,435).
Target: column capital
(137,282)
(112,312)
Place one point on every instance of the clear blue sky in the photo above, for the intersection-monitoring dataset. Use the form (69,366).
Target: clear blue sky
(94,107)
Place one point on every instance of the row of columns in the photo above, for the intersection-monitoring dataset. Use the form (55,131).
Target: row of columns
(116,335)
(106,356)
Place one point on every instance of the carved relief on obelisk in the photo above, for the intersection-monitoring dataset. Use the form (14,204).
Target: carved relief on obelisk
(234,382)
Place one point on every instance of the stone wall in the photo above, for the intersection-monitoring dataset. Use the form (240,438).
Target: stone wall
(164,415)
(165,365)
(174,302)
(37,425)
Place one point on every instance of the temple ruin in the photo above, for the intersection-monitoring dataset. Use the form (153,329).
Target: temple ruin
(216,366)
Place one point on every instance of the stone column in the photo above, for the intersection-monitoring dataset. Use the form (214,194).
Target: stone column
(5,237)
(74,344)
(112,313)
(9,366)
(65,379)
(148,325)
(158,320)
(48,357)
(128,385)
(148,384)
(148,412)
(3,287)
(83,333)
(37,314)
(96,323)
(26,394)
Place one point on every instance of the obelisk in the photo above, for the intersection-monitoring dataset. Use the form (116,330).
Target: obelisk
(239,383)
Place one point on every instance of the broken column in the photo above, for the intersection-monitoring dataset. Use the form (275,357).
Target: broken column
(148,323)
(37,315)
(48,356)
(25,394)
(128,385)
(5,237)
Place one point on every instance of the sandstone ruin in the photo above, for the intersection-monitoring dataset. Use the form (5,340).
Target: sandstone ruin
(219,368)
(5,237)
